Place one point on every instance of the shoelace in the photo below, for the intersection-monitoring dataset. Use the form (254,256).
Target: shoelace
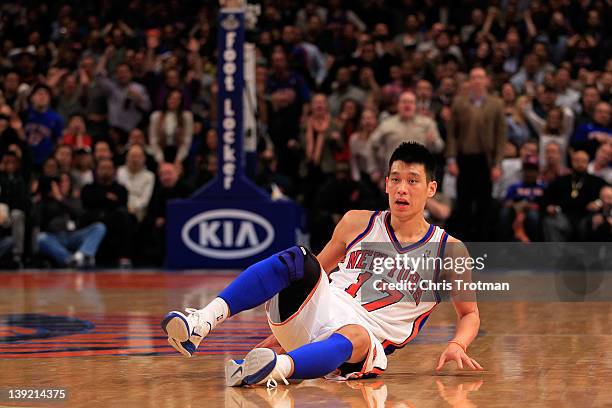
(272,383)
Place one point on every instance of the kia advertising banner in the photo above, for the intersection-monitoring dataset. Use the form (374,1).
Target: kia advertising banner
(230,235)
(230,223)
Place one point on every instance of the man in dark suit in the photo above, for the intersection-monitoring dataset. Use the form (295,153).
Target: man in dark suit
(570,201)
(105,201)
(475,141)
(153,231)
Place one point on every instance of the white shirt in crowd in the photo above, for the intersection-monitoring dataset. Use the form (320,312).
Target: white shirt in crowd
(170,127)
(140,189)
(605,173)
(539,124)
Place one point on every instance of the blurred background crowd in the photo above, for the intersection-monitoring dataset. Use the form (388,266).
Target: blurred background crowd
(107,111)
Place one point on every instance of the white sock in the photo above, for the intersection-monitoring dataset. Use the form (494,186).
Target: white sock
(284,365)
(219,309)
(79,257)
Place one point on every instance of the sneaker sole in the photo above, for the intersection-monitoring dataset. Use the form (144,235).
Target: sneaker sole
(175,326)
(257,365)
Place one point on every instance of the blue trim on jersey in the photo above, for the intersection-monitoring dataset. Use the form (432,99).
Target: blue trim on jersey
(396,242)
(365,232)
(423,322)
(390,349)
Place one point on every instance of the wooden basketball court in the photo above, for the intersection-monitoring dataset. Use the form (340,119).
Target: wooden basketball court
(97,336)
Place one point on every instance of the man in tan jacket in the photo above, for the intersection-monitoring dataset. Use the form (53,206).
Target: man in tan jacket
(475,142)
(405,126)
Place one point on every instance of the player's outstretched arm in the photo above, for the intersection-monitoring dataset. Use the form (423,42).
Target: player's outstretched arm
(349,226)
(468,318)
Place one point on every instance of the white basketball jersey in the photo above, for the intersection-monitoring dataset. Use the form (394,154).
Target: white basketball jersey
(398,304)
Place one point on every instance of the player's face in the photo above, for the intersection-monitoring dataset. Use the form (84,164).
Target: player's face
(408,188)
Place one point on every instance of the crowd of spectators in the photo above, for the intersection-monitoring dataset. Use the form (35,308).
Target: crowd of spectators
(108,110)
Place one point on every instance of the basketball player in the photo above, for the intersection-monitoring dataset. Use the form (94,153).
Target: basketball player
(342,329)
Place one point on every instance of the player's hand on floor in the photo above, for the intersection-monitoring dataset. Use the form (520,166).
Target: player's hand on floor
(455,353)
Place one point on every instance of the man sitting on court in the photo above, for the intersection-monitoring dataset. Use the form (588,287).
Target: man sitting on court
(343,328)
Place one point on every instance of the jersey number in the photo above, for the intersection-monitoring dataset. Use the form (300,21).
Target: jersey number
(393,295)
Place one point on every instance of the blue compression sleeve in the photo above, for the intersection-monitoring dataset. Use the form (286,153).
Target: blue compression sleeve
(263,280)
(317,359)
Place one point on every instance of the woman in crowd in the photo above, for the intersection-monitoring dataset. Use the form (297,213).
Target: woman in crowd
(518,130)
(320,140)
(171,130)
(358,142)
(557,127)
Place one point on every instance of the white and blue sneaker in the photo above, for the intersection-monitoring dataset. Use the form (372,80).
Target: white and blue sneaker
(258,367)
(186,332)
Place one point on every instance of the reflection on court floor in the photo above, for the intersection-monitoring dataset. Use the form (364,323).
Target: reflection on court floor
(97,335)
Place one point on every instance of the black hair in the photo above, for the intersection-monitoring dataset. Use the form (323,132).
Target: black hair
(125,64)
(40,86)
(44,185)
(82,151)
(61,146)
(413,152)
(76,115)
(98,162)
(549,88)
(181,106)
